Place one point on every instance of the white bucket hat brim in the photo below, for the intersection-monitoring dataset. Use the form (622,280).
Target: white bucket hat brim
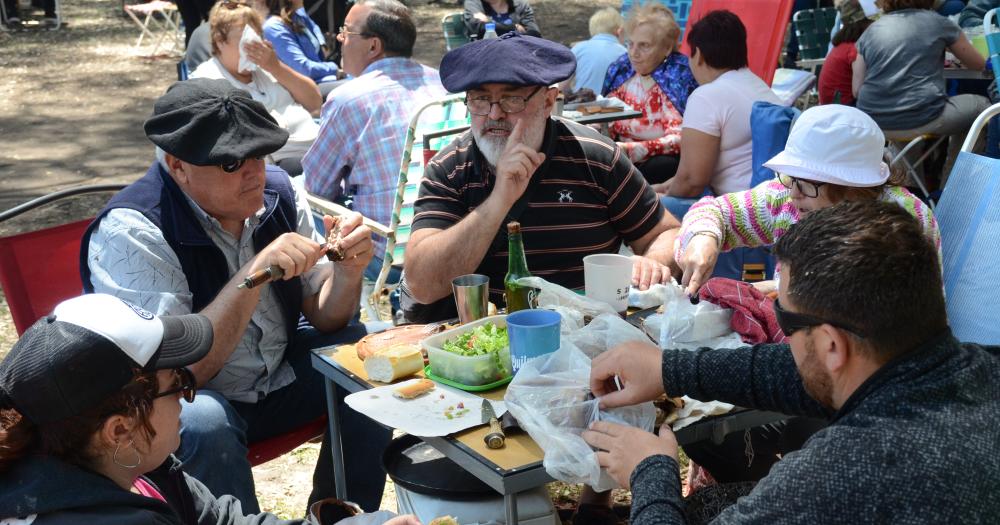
(794,166)
(834,144)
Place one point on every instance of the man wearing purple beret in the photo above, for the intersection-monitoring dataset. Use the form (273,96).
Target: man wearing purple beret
(572,189)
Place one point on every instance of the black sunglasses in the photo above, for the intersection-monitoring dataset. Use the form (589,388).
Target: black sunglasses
(791,322)
(233,167)
(184,383)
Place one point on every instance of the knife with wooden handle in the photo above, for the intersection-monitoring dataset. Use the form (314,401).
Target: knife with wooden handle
(495,438)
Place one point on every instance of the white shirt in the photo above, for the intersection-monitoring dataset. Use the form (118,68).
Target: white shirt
(721,108)
(265,89)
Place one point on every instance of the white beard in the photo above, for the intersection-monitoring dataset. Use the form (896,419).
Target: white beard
(492,146)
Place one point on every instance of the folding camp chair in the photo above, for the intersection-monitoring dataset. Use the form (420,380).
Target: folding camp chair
(432,131)
(899,152)
(453,26)
(812,27)
(765,38)
(968,215)
(40,269)
(160,21)
(769,128)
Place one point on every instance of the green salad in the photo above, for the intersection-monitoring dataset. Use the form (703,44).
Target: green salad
(484,339)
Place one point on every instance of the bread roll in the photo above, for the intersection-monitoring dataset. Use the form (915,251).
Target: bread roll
(444,520)
(412,390)
(394,362)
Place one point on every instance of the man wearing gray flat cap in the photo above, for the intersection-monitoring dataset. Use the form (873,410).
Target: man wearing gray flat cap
(206,215)
(572,189)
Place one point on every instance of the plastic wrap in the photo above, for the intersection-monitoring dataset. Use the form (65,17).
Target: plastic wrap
(551,399)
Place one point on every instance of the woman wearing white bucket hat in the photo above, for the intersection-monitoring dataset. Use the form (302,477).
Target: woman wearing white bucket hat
(833,154)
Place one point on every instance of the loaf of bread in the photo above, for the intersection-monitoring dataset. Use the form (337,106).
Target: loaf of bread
(414,389)
(392,363)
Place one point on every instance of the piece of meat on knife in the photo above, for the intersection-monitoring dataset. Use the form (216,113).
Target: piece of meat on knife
(335,252)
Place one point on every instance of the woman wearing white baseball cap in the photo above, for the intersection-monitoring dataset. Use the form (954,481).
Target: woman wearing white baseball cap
(90,415)
(833,154)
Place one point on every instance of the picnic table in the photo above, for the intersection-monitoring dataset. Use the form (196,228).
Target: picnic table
(515,468)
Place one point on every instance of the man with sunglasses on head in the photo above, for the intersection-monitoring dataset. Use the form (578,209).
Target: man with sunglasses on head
(911,409)
(206,215)
(364,121)
(573,190)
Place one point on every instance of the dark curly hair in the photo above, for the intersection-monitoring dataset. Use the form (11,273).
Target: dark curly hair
(69,439)
(867,265)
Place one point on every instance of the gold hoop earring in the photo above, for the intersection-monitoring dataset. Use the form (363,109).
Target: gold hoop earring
(138,457)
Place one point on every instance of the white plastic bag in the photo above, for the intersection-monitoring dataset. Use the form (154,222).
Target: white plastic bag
(249,35)
(686,325)
(551,399)
(561,299)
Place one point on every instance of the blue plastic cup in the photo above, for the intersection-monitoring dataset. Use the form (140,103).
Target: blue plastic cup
(532,333)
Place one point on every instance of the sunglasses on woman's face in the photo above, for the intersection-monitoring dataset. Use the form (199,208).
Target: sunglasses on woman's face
(183,383)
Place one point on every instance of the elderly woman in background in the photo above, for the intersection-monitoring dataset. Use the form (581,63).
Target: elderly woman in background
(715,133)
(300,43)
(508,15)
(290,97)
(654,78)
(90,403)
(899,75)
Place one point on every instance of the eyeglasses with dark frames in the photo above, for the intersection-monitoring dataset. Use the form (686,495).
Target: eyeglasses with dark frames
(806,187)
(791,322)
(184,383)
(482,105)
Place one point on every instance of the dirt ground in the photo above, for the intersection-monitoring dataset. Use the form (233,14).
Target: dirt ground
(72,103)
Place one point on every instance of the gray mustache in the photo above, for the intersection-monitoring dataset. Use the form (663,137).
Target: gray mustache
(498,124)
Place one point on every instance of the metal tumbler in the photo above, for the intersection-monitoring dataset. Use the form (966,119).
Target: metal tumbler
(472,294)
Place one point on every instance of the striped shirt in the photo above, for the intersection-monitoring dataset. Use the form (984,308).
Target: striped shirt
(586,198)
(759,216)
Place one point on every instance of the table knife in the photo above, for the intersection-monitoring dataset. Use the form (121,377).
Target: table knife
(495,437)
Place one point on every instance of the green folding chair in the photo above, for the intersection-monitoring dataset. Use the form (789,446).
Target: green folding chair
(455,34)
(813,27)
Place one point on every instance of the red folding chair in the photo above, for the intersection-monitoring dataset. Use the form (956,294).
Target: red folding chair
(766,22)
(40,269)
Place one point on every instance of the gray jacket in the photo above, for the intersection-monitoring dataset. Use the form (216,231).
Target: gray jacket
(916,443)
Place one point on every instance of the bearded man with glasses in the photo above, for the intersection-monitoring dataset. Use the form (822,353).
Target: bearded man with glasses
(573,190)
(912,411)
(207,214)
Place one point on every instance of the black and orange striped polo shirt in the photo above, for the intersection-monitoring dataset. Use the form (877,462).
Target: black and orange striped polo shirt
(586,198)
